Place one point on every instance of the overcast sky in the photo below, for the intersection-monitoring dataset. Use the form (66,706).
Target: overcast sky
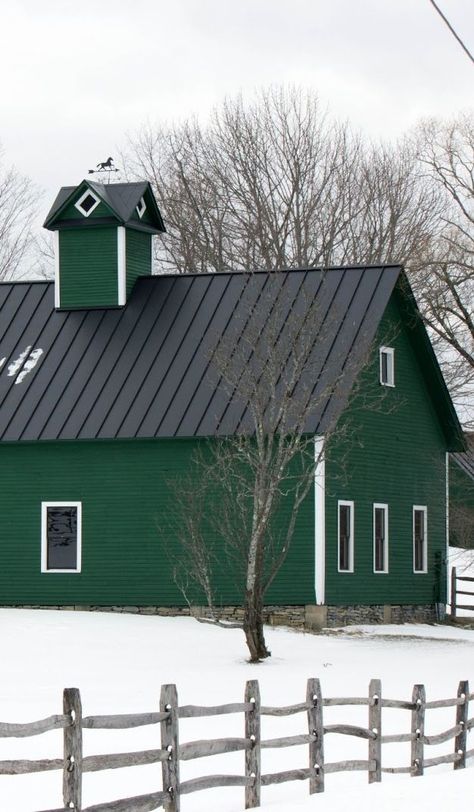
(77,75)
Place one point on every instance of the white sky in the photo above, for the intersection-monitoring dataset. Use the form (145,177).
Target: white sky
(77,76)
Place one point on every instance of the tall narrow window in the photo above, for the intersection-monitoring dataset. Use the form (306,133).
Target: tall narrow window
(380,538)
(345,535)
(420,538)
(61,537)
(387,366)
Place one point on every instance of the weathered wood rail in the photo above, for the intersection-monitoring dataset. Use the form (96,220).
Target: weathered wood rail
(171,753)
(455,592)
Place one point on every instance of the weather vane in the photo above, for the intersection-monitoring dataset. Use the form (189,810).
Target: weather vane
(104,167)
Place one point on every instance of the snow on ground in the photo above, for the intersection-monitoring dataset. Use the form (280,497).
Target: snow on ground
(120,661)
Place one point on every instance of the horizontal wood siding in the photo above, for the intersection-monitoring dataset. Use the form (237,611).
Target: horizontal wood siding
(138,256)
(88,267)
(395,456)
(71,213)
(123,489)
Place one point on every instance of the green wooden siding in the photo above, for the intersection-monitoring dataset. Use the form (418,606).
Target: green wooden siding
(396,455)
(88,267)
(71,213)
(123,489)
(147,215)
(138,256)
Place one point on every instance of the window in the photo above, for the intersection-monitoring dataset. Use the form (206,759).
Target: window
(87,203)
(141,208)
(61,536)
(387,366)
(380,538)
(420,538)
(345,534)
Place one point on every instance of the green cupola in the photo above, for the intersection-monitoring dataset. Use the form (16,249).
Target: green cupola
(103,242)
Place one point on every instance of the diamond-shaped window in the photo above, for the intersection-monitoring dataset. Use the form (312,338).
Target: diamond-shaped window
(141,208)
(87,203)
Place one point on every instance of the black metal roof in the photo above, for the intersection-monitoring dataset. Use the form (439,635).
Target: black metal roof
(121,198)
(144,370)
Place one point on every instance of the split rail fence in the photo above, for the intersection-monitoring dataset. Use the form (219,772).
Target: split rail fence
(455,592)
(171,753)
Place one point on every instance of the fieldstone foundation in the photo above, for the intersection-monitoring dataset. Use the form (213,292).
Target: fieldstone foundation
(310,617)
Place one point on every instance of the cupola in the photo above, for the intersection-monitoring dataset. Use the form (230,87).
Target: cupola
(103,242)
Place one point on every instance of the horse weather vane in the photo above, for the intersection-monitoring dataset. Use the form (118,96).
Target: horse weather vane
(106,167)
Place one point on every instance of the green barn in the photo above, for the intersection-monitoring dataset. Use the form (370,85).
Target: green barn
(106,391)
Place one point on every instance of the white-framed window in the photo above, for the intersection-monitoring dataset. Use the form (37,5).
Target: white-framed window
(87,203)
(61,530)
(140,208)
(387,366)
(345,536)
(420,538)
(380,522)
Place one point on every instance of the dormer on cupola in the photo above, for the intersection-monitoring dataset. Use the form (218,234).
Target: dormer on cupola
(103,242)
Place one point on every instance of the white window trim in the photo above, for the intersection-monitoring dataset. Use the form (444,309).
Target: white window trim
(390,367)
(140,208)
(78,206)
(384,507)
(319,520)
(342,503)
(44,535)
(424,509)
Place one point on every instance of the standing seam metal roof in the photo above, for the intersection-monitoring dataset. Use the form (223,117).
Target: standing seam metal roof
(144,370)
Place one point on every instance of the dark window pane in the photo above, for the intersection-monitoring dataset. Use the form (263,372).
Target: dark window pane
(419,540)
(384,367)
(62,538)
(379,519)
(344,536)
(87,203)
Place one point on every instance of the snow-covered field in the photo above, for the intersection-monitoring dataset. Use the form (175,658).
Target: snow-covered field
(120,661)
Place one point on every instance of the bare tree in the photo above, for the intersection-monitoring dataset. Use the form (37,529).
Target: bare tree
(18,202)
(237,509)
(275,183)
(443,273)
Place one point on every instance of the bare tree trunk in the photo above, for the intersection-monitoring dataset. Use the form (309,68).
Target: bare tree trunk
(253,627)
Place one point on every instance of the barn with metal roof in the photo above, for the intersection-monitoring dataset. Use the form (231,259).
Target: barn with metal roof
(108,385)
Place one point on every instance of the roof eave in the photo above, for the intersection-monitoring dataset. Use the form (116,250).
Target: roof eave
(443,403)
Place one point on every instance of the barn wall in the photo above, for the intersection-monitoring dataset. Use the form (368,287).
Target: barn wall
(138,256)
(394,454)
(88,267)
(123,487)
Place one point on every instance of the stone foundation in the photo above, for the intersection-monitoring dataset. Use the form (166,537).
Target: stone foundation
(310,617)
(319,617)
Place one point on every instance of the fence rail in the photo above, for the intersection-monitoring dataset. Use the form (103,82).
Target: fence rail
(455,592)
(171,753)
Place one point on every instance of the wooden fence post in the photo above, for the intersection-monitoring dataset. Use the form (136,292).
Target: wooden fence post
(316,729)
(170,741)
(72,769)
(453,593)
(375,725)
(462,716)
(418,729)
(252,756)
